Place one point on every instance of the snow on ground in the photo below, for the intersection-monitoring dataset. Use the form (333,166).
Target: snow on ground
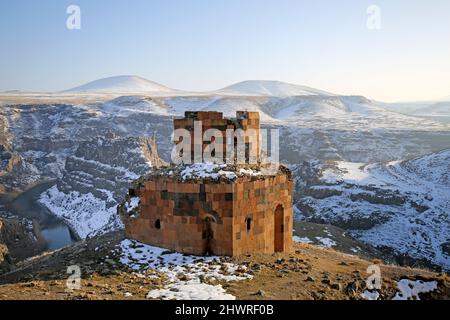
(403,205)
(326,242)
(301,239)
(349,172)
(186,275)
(179,105)
(84,213)
(410,289)
(191,291)
(227,105)
(370,295)
(128,174)
(355,250)
(129,105)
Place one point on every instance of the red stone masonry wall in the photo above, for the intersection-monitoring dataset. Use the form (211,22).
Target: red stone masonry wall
(258,201)
(175,215)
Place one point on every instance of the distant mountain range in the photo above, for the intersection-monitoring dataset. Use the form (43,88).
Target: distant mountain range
(135,84)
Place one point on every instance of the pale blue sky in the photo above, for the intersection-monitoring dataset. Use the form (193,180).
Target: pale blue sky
(209,44)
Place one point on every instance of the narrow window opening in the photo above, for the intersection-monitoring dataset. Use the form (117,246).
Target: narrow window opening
(249,224)
(158,224)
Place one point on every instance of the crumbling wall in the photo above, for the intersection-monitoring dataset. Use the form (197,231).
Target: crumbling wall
(244,120)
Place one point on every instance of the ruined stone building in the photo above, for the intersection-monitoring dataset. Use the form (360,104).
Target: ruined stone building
(207,208)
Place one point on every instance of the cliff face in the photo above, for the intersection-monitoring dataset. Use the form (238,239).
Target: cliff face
(104,167)
(96,178)
(17,241)
(36,140)
(5,259)
(11,163)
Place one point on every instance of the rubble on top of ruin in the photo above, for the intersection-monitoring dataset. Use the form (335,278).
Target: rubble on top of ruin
(212,172)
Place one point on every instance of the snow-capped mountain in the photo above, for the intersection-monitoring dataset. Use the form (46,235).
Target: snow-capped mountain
(122,84)
(271,88)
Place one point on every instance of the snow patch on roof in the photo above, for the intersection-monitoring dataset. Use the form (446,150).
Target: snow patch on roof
(206,170)
(215,171)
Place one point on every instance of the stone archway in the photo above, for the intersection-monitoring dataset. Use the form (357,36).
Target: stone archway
(279,229)
(209,226)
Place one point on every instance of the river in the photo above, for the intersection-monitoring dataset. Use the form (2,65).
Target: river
(52,229)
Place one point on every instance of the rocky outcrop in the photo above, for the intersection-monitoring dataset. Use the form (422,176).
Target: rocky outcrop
(95,180)
(36,140)
(8,160)
(379,198)
(5,259)
(17,235)
(11,163)
(105,166)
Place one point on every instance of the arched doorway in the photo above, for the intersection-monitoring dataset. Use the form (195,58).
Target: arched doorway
(208,234)
(279,229)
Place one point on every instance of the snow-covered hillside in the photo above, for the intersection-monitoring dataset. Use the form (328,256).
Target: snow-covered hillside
(54,140)
(128,105)
(271,88)
(95,179)
(122,84)
(436,109)
(401,205)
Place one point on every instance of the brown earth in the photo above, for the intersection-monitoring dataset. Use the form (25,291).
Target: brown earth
(309,272)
